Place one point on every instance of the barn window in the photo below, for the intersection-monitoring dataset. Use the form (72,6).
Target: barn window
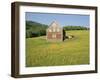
(58,30)
(53,35)
(54,29)
(50,30)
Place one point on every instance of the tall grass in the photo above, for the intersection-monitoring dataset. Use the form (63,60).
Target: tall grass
(73,51)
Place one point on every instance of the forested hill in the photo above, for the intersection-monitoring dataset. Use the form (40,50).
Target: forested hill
(34,29)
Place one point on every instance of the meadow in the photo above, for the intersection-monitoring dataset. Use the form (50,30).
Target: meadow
(75,51)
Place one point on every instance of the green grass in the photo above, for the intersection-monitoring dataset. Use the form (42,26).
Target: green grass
(73,51)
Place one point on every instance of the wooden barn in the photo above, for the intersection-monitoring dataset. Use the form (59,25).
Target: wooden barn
(55,32)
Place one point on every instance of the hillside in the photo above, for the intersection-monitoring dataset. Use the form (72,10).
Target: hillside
(35,29)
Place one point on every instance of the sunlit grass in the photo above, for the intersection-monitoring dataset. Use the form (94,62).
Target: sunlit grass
(40,52)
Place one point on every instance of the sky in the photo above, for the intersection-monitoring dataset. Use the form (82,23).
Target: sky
(62,19)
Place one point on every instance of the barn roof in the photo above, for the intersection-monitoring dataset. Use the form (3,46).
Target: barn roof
(54,24)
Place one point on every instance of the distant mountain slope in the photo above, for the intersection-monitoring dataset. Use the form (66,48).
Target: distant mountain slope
(34,29)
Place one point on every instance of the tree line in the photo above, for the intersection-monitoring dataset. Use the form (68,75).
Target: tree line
(75,28)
